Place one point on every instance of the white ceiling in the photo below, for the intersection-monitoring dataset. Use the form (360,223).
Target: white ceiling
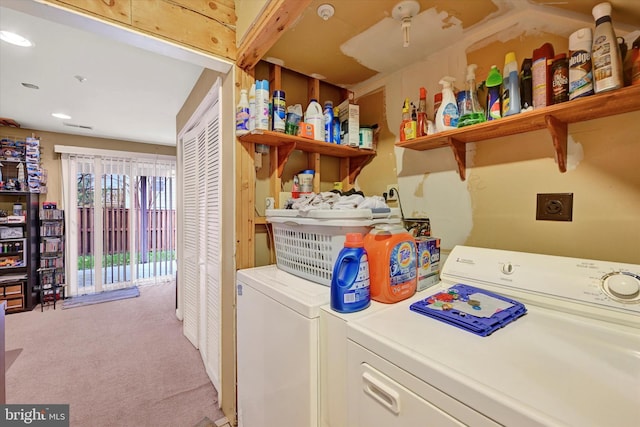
(130,93)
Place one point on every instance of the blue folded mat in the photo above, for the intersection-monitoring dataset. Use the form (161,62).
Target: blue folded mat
(473,309)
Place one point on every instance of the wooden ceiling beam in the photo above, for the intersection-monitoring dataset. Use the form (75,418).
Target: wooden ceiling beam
(276,18)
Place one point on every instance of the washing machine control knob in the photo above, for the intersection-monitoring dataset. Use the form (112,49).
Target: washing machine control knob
(507,268)
(622,285)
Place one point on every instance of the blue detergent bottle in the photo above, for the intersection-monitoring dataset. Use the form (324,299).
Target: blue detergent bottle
(350,281)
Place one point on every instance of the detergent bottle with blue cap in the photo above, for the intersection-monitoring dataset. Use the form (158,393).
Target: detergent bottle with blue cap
(350,284)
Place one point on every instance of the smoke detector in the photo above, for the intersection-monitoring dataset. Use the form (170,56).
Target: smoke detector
(403,12)
(326,11)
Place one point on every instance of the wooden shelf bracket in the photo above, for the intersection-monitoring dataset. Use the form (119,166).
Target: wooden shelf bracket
(460,153)
(356,164)
(284,151)
(558,131)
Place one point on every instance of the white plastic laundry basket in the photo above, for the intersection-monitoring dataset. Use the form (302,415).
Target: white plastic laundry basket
(308,247)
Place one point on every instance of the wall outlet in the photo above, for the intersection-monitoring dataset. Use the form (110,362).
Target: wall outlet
(554,207)
(392,193)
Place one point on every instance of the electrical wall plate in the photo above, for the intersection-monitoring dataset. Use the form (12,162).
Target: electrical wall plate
(554,207)
(392,196)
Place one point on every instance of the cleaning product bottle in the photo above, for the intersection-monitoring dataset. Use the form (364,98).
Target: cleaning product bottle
(560,79)
(580,68)
(526,85)
(393,264)
(350,285)
(494,81)
(262,104)
(408,126)
(627,63)
(337,139)
(421,126)
(605,55)
(635,62)
(447,115)
(315,117)
(278,111)
(242,114)
(437,102)
(541,75)
(473,113)
(510,86)
(252,107)
(328,121)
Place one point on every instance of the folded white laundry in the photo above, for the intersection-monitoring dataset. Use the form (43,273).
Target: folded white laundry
(349,202)
(331,200)
(324,200)
(372,202)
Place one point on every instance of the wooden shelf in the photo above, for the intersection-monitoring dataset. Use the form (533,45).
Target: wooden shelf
(554,118)
(287,143)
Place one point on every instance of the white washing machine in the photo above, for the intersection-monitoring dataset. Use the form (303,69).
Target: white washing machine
(333,362)
(572,360)
(277,348)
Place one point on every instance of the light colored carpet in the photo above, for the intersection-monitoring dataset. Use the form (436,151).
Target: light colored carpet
(118,294)
(125,363)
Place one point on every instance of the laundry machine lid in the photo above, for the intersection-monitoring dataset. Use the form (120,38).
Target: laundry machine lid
(301,295)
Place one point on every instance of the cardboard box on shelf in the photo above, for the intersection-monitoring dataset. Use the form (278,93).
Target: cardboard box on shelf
(305,130)
(349,123)
(428,261)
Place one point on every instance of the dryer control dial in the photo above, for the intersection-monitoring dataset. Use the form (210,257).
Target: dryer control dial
(622,285)
(507,268)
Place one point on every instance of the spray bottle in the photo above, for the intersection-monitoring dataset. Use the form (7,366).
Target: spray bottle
(473,112)
(447,115)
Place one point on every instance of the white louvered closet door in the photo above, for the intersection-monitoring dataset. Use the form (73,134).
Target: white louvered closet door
(212,252)
(190,238)
(201,184)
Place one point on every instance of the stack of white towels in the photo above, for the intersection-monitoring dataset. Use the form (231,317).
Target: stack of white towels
(331,200)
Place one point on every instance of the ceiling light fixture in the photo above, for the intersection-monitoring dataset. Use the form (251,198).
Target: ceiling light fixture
(404,11)
(80,78)
(15,39)
(326,11)
(61,116)
(30,86)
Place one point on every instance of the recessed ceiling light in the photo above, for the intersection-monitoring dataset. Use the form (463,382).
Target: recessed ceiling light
(80,78)
(15,39)
(61,116)
(30,86)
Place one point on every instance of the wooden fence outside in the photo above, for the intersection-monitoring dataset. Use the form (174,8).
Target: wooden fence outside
(160,232)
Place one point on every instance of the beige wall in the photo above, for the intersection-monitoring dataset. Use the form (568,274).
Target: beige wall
(495,206)
(247,12)
(51,161)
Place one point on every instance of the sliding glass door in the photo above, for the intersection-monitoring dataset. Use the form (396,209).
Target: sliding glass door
(121,221)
